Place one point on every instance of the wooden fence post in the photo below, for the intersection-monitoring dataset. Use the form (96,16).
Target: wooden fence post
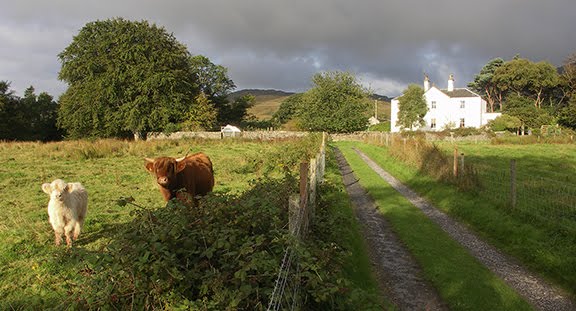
(462,163)
(304,195)
(312,180)
(294,215)
(513,183)
(387,139)
(455,169)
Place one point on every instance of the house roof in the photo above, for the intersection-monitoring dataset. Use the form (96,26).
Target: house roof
(460,93)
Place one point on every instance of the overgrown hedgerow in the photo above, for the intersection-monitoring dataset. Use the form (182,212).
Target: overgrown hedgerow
(221,255)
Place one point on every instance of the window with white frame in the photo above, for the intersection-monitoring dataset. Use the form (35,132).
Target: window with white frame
(433,105)
(433,123)
(462,104)
(462,124)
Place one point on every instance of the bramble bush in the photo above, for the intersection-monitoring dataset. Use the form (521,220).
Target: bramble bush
(223,254)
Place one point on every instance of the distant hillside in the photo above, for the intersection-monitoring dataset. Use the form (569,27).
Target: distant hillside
(268,101)
(381,97)
(259,93)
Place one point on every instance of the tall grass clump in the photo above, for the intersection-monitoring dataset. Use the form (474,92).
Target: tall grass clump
(433,161)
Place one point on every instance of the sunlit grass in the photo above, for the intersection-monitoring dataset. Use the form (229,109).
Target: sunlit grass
(463,282)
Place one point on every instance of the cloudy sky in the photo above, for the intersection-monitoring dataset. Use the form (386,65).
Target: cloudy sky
(280,44)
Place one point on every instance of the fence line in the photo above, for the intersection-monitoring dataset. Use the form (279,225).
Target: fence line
(286,293)
(512,187)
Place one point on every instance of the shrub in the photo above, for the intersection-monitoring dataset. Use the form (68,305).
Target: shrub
(219,254)
(380,127)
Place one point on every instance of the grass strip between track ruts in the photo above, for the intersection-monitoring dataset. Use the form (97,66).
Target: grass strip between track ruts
(462,281)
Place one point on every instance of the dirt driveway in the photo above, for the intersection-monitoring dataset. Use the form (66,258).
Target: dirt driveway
(399,274)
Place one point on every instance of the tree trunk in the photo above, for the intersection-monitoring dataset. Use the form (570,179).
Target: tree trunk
(490,99)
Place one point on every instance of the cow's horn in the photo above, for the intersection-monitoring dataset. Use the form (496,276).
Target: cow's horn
(182,158)
(149,160)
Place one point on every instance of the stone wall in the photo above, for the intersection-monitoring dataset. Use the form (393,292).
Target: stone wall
(262,135)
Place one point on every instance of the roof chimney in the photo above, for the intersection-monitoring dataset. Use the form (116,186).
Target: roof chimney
(451,83)
(426,83)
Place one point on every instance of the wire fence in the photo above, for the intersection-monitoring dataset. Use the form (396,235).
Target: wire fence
(286,293)
(533,197)
(534,194)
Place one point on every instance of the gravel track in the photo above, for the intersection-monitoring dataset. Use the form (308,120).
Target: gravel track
(398,274)
(536,291)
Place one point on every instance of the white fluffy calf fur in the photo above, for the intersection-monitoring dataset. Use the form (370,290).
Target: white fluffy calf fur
(66,209)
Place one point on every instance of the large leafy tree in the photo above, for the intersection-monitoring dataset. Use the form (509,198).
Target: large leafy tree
(124,77)
(411,107)
(337,103)
(202,116)
(8,103)
(40,114)
(213,81)
(567,115)
(528,79)
(484,84)
(236,111)
(530,116)
(32,117)
(567,85)
(287,110)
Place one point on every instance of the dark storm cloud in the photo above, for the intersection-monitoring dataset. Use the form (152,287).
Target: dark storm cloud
(281,44)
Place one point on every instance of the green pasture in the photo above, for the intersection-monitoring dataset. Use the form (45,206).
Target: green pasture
(250,175)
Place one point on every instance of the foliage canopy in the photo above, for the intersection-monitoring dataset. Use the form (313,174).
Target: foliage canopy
(124,77)
(337,103)
(411,107)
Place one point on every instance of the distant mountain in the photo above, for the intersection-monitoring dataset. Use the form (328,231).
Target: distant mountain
(381,97)
(268,101)
(259,93)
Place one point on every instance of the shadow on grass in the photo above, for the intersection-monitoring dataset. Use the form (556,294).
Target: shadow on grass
(531,232)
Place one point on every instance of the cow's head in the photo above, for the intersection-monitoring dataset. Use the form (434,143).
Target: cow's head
(57,190)
(165,169)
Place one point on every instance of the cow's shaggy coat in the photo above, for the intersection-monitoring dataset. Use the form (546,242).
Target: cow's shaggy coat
(66,209)
(193,173)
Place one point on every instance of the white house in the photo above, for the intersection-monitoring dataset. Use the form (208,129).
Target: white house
(448,108)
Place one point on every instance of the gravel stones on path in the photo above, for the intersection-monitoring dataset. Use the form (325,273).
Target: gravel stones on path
(536,291)
(398,274)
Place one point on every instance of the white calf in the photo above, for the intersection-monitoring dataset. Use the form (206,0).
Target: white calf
(66,209)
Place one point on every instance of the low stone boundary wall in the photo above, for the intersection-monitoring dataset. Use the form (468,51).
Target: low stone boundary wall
(262,135)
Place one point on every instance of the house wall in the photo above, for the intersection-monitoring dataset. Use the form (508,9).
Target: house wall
(447,111)
(394,115)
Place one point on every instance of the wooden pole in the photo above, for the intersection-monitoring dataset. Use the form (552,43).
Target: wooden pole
(462,162)
(304,195)
(455,169)
(387,139)
(513,183)
(294,214)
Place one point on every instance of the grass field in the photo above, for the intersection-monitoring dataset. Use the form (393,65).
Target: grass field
(540,231)
(35,274)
